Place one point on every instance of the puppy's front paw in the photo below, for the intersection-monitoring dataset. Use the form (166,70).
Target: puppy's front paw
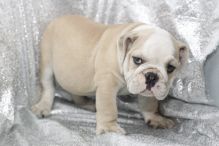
(158,121)
(110,128)
(41,109)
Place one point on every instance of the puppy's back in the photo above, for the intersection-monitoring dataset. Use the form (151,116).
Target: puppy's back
(68,45)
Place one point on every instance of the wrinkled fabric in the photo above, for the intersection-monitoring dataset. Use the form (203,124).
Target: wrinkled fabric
(22,22)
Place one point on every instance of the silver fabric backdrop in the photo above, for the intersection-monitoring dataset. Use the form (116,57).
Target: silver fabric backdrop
(21,26)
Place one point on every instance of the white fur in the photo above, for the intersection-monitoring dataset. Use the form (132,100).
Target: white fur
(157,50)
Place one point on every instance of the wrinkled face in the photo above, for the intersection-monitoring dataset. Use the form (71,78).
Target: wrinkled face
(151,62)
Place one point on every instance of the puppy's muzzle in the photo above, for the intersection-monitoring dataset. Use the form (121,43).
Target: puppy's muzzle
(151,79)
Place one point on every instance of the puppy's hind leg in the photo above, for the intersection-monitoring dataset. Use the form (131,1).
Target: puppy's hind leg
(84,102)
(44,106)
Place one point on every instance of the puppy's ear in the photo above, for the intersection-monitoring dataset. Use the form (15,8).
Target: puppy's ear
(129,36)
(125,43)
(183,53)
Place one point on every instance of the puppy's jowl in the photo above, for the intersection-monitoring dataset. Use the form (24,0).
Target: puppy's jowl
(92,59)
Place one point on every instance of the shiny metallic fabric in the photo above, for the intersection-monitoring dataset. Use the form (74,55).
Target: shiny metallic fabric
(21,26)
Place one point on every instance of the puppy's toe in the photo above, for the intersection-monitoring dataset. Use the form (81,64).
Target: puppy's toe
(41,110)
(160,122)
(112,128)
(117,129)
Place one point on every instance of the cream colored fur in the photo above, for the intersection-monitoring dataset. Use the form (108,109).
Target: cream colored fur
(92,59)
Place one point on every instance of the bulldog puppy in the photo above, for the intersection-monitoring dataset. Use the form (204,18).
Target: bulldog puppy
(92,59)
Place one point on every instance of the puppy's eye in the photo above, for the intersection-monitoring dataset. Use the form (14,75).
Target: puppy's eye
(137,60)
(170,68)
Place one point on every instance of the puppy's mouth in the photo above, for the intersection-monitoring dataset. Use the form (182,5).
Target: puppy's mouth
(149,91)
(149,86)
(151,80)
(143,91)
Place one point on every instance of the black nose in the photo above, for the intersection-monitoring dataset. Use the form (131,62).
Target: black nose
(151,79)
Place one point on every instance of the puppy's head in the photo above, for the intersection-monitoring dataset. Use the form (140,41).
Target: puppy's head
(150,58)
